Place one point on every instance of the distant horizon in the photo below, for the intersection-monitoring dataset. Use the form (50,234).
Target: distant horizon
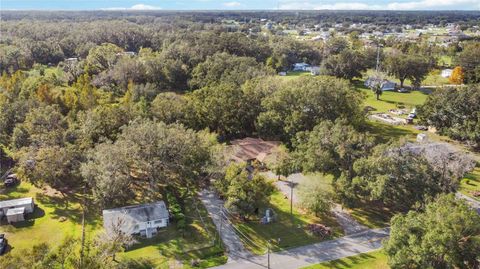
(240,5)
(240,10)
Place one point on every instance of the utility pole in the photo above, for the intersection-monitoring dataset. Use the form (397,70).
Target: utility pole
(378,58)
(268,254)
(220,230)
(291,198)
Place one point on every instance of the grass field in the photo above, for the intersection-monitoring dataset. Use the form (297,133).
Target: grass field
(45,225)
(471,182)
(372,260)
(390,99)
(286,232)
(294,74)
(432,79)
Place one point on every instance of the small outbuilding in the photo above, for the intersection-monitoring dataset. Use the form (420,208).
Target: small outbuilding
(15,210)
(422,137)
(15,215)
(446,73)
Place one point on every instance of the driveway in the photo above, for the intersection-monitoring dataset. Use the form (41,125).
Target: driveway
(347,246)
(230,239)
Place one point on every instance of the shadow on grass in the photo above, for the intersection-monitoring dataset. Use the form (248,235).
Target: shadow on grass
(62,206)
(385,132)
(350,261)
(372,214)
(15,189)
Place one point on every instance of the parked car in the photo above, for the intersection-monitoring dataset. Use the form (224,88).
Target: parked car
(3,244)
(412,115)
(11,180)
(402,90)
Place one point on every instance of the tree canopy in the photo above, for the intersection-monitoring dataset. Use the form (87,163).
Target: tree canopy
(454,112)
(444,235)
(299,105)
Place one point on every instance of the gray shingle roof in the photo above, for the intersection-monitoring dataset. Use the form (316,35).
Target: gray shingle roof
(136,213)
(16,202)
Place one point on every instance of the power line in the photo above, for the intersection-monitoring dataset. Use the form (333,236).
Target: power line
(249,240)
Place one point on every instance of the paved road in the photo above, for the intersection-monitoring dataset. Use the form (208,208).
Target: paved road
(349,224)
(230,239)
(347,246)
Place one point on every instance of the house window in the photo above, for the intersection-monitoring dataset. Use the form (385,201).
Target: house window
(158,222)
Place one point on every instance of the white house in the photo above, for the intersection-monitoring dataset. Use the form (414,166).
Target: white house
(16,209)
(446,73)
(137,219)
(301,67)
(386,84)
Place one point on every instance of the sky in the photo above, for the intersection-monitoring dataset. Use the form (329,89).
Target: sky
(240,4)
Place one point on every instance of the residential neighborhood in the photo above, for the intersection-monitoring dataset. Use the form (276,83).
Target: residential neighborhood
(144,137)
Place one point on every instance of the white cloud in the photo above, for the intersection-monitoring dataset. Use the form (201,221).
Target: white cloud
(412,5)
(144,7)
(232,4)
(134,7)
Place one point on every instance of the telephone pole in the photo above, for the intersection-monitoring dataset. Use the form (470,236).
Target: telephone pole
(268,254)
(291,198)
(378,58)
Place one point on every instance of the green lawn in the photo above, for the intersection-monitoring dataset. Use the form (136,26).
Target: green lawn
(372,260)
(294,74)
(45,225)
(445,60)
(432,79)
(285,232)
(391,100)
(471,182)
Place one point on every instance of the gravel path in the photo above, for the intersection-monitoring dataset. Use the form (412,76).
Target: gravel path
(230,239)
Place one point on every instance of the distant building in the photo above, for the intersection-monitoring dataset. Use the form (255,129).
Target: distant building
(71,60)
(252,149)
(269,26)
(422,137)
(127,53)
(446,73)
(301,67)
(387,85)
(15,210)
(137,219)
